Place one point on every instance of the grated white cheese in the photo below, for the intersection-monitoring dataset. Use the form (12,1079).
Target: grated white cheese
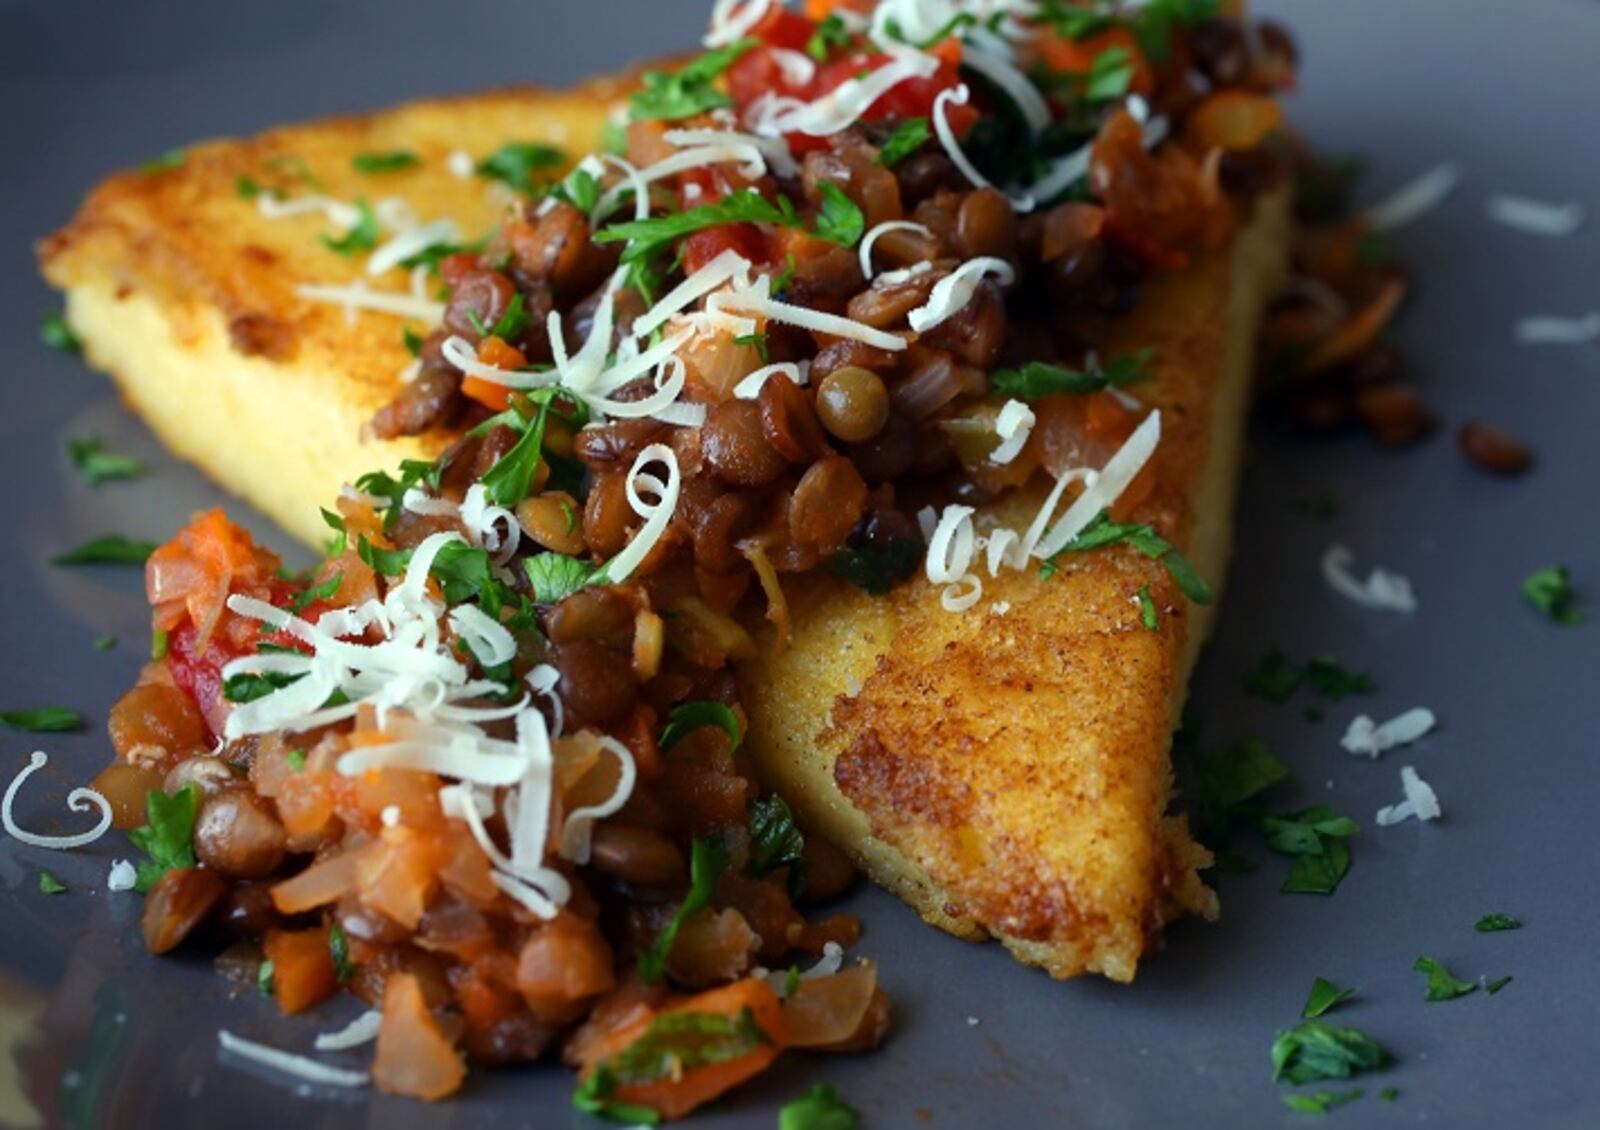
(1382,590)
(301,1067)
(951,550)
(341,215)
(831,961)
(1535,217)
(732,20)
(951,294)
(461,164)
(796,371)
(865,250)
(774,150)
(728,265)
(756,298)
(411,241)
(842,106)
(460,353)
(1366,738)
(362,1030)
(359,296)
(78,800)
(122,877)
(657,515)
(1024,95)
(1413,200)
(959,95)
(1014,425)
(1420,801)
(1105,489)
(1547,330)
(798,68)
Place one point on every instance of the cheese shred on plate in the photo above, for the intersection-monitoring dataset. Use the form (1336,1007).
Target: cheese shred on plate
(1420,802)
(1381,590)
(1367,738)
(301,1067)
(78,800)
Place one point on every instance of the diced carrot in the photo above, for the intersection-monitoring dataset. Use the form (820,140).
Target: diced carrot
(493,351)
(820,10)
(302,968)
(1234,119)
(413,1056)
(676,1097)
(1106,419)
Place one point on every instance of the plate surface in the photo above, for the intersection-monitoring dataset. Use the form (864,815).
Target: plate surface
(95,1033)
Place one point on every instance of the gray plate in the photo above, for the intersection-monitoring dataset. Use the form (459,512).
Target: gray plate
(98,1034)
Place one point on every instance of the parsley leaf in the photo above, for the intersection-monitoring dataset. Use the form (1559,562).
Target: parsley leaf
(776,842)
(555,576)
(249,688)
(48,720)
(1315,837)
(105,642)
(392,161)
(362,237)
(1315,1050)
(50,885)
(57,334)
(509,480)
(707,861)
(465,573)
(671,95)
(840,219)
(818,1109)
(758,340)
(1497,984)
(1036,379)
(877,569)
(171,159)
(1109,75)
(1147,609)
(830,33)
(1074,21)
(167,836)
(1550,591)
(1276,678)
(323,591)
(1102,531)
(264,976)
(1319,873)
(1321,1102)
(581,189)
(688,717)
(392,490)
(246,187)
(1324,996)
(1233,776)
(1442,985)
(909,136)
(649,237)
(98,465)
(515,162)
(1491,923)
(339,950)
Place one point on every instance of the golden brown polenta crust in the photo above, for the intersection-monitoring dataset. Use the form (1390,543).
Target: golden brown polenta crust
(1006,769)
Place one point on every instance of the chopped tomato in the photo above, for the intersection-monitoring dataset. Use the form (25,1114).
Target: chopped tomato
(783,28)
(197,670)
(302,968)
(192,576)
(700,247)
(413,1056)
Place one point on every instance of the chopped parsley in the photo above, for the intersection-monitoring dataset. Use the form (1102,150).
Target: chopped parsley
(909,136)
(1324,996)
(1314,1050)
(47,720)
(50,885)
(1389,1094)
(674,1044)
(249,688)
(57,334)
(840,219)
(1109,75)
(708,859)
(392,490)
(246,187)
(390,161)
(1036,379)
(1075,21)
(362,237)
(776,842)
(1102,531)
(1319,507)
(876,569)
(647,238)
(1276,678)
(296,759)
(158,644)
(339,951)
(690,90)
(1550,591)
(831,33)
(412,340)
(1315,837)
(758,341)
(820,1108)
(516,162)
(1147,609)
(167,836)
(688,717)
(105,642)
(171,159)
(1321,1102)
(264,973)
(555,576)
(1232,777)
(1492,923)
(323,591)
(1442,985)
(1493,987)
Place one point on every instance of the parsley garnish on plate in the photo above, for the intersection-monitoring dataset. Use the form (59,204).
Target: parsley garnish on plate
(98,465)
(112,549)
(105,642)
(909,135)
(1036,379)
(1315,837)
(1491,923)
(1442,984)
(1493,987)
(167,836)
(50,885)
(390,161)
(46,720)
(362,237)
(690,90)
(58,335)
(1314,1050)
(1232,777)
(1321,1102)
(708,859)
(820,1108)
(264,973)
(1550,591)
(1324,996)
(1276,678)
(515,163)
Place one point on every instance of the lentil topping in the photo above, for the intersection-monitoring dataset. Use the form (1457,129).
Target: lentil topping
(843,277)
